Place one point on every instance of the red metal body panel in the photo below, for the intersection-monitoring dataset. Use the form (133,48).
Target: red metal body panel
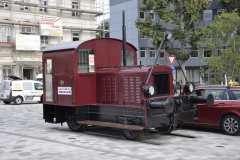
(107,53)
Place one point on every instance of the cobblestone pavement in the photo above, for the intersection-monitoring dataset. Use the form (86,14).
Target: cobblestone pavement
(25,135)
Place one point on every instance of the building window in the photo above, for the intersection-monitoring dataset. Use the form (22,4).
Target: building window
(43,2)
(6,33)
(152,53)
(207,15)
(75,36)
(194,54)
(152,14)
(219,50)
(44,40)
(26,30)
(43,9)
(142,15)
(142,53)
(162,54)
(24,8)
(207,53)
(75,5)
(7,70)
(4,5)
(220,11)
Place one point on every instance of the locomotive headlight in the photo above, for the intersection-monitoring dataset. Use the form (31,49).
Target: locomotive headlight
(150,90)
(189,87)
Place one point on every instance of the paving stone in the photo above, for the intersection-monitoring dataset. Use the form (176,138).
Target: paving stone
(25,135)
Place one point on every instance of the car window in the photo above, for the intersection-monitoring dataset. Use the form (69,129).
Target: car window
(217,93)
(38,86)
(226,96)
(236,94)
(5,86)
(27,86)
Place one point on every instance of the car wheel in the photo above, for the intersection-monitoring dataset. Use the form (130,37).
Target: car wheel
(18,100)
(41,99)
(6,102)
(231,125)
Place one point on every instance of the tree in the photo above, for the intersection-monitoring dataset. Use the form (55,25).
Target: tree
(104,25)
(231,5)
(183,15)
(222,35)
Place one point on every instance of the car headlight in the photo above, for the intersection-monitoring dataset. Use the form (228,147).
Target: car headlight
(150,90)
(189,87)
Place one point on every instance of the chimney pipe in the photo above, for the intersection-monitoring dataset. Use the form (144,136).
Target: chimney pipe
(124,39)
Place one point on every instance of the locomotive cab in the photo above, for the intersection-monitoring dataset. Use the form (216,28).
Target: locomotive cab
(86,84)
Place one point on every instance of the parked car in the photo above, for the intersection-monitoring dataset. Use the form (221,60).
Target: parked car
(233,83)
(39,77)
(18,90)
(225,112)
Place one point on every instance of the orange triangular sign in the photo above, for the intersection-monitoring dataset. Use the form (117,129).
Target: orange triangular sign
(171,59)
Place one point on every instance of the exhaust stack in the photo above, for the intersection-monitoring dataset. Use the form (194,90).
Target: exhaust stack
(124,39)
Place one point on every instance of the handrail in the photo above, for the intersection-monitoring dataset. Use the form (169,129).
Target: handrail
(72,89)
(53,91)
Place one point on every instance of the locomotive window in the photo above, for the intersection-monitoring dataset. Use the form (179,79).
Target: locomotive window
(86,62)
(129,58)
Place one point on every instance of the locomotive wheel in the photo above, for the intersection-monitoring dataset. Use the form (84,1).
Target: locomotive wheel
(76,127)
(164,129)
(132,135)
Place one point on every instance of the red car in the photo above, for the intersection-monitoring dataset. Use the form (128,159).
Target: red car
(225,112)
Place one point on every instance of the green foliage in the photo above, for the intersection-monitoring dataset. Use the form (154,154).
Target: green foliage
(231,5)
(181,15)
(106,23)
(38,70)
(215,36)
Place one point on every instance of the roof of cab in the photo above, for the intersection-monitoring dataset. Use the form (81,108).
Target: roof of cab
(75,44)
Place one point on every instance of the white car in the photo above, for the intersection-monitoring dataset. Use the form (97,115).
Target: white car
(18,90)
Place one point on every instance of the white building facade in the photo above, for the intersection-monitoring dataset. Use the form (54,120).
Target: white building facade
(24,31)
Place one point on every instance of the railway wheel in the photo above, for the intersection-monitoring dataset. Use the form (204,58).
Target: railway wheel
(230,124)
(76,127)
(6,102)
(132,135)
(164,129)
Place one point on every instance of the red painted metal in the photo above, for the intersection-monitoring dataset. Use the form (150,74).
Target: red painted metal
(116,86)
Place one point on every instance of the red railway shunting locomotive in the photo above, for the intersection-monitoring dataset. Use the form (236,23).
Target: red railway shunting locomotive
(85,83)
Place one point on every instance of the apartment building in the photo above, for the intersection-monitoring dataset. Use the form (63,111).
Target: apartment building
(195,71)
(28,26)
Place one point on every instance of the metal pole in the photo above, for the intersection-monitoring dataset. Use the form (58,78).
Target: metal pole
(124,39)
(154,62)
(103,22)
(178,62)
